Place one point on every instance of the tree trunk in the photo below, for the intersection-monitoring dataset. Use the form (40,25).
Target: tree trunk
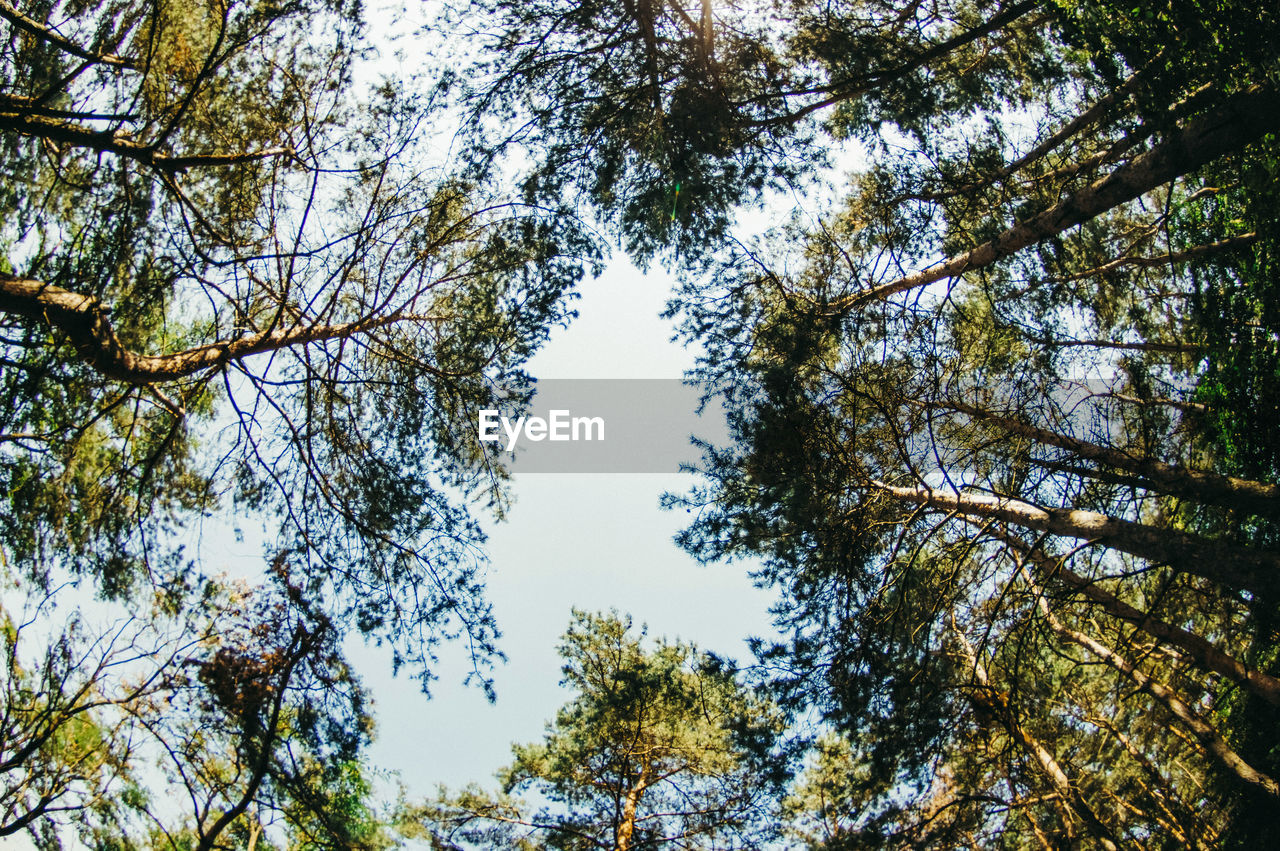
(631,803)
(1257,571)
(1245,494)
(995,704)
(1200,651)
(1240,120)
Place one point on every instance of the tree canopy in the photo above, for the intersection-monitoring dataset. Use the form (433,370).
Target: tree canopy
(1001,397)
(1001,367)
(241,292)
(659,748)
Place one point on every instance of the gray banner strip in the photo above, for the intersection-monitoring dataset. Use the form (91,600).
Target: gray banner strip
(586,425)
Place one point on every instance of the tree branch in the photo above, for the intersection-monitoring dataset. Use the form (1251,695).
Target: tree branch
(992,703)
(88,326)
(121,144)
(1198,649)
(1241,120)
(853,87)
(1233,492)
(1239,567)
(40,31)
(1205,732)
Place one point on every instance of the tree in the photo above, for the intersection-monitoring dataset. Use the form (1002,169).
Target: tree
(980,399)
(239,288)
(235,277)
(237,723)
(660,747)
(68,739)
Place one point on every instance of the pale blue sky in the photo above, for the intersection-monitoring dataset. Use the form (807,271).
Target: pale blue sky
(595,541)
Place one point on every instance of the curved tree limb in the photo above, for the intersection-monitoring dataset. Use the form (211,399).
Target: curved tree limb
(852,87)
(992,704)
(87,324)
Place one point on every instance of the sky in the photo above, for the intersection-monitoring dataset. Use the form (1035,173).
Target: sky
(592,541)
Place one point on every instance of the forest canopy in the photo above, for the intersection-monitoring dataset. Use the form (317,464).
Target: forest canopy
(1002,397)
(1001,369)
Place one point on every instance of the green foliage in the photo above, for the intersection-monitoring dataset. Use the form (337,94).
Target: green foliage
(1236,304)
(622,102)
(332,809)
(902,439)
(660,747)
(247,187)
(1017,582)
(242,289)
(236,717)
